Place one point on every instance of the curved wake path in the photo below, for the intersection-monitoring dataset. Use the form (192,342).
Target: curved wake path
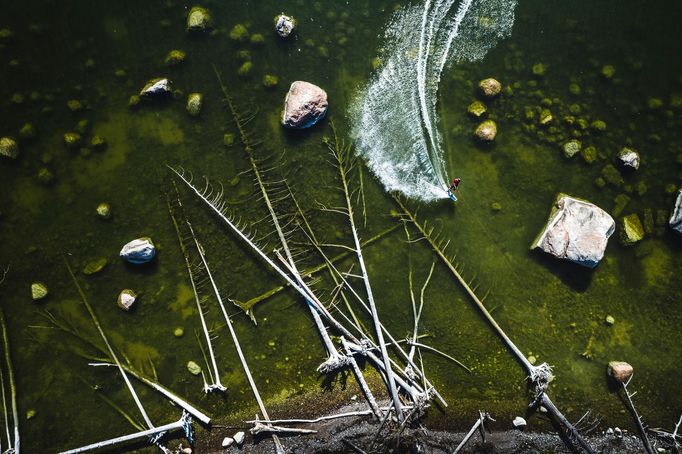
(394,117)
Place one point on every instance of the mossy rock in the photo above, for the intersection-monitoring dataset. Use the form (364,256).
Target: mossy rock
(589,154)
(477,109)
(631,230)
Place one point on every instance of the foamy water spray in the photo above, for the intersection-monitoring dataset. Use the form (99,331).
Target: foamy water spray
(394,117)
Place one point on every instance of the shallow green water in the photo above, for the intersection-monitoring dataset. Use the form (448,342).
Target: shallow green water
(553,311)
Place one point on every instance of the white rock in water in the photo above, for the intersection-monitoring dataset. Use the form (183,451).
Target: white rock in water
(676,219)
(576,230)
(193,368)
(239,438)
(304,105)
(227,442)
(519,422)
(156,88)
(9,148)
(38,291)
(126,299)
(194,103)
(284,25)
(138,251)
(629,158)
(199,19)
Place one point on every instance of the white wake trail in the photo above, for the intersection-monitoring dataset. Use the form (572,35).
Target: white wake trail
(394,117)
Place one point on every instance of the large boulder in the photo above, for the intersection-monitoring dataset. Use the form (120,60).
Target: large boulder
(138,251)
(676,219)
(576,230)
(304,105)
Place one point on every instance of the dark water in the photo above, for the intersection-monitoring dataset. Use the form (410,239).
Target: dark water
(553,311)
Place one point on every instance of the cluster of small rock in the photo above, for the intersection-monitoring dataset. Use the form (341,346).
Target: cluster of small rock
(488,89)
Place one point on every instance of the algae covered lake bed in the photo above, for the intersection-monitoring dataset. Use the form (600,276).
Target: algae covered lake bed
(608,74)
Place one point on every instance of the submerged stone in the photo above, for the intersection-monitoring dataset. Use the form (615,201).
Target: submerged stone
(489,88)
(609,320)
(74,105)
(98,142)
(477,109)
(72,140)
(199,19)
(193,368)
(576,230)
(239,33)
(675,221)
(9,148)
(245,69)
(103,210)
(257,38)
(629,158)
(486,131)
(598,125)
(304,105)
(175,57)
(621,201)
(572,147)
(138,251)
(270,81)
(38,291)
(589,154)
(611,175)
(45,176)
(195,102)
(620,371)
(28,131)
(539,69)
(156,88)
(631,230)
(126,299)
(608,71)
(546,117)
(95,266)
(284,25)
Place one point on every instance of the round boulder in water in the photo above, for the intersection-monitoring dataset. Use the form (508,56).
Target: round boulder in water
(486,131)
(284,25)
(139,251)
(490,87)
(304,105)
